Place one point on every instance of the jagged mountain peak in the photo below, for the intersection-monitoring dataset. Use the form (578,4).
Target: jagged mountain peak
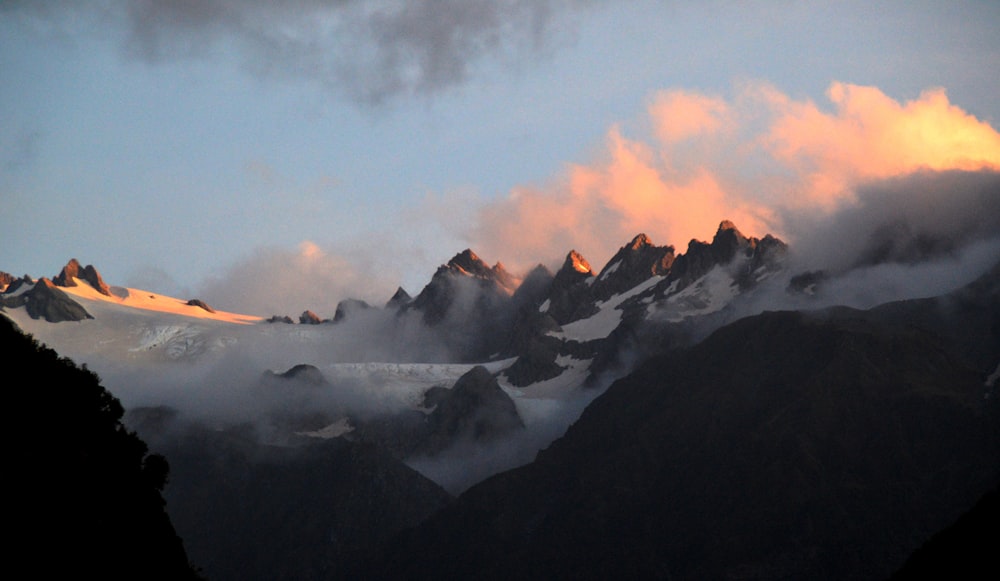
(504,277)
(727,225)
(6,279)
(88,273)
(399,299)
(348,307)
(640,241)
(468,262)
(46,301)
(636,261)
(575,262)
(309,318)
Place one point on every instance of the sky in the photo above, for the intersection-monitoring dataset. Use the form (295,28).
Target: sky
(270,157)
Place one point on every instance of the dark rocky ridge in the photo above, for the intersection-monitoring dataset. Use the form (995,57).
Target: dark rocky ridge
(399,299)
(475,409)
(200,304)
(309,318)
(250,511)
(46,301)
(347,307)
(575,294)
(470,304)
(88,273)
(784,446)
(632,264)
(303,372)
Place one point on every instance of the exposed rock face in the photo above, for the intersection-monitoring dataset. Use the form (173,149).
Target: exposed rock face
(88,273)
(534,287)
(727,245)
(399,299)
(472,305)
(303,372)
(537,359)
(348,306)
(5,280)
(632,264)
(17,284)
(281,319)
(201,304)
(785,446)
(46,301)
(475,409)
(569,289)
(441,293)
(309,318)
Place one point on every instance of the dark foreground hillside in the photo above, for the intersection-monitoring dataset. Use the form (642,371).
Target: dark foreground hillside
(785,446)
(84,496)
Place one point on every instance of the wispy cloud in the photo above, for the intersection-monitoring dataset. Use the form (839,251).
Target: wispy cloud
(289,281)
(368,50)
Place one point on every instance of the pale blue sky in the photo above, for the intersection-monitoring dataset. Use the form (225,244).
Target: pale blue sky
(166,146)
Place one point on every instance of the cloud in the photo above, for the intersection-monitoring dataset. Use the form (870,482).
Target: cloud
(918,217)
(287,282)
(869,135)
(368,50)
(761,158)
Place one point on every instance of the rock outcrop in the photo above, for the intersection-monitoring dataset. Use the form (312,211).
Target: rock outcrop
(347,307)
(46,301)
(73,270)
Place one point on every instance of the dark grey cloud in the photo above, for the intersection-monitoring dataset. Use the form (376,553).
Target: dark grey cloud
(368,50)
(905,220)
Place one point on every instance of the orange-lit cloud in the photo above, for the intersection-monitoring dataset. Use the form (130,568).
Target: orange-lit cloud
(680,115)
(756,159)
(869,135)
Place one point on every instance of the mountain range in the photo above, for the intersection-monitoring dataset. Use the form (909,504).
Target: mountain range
(725,412)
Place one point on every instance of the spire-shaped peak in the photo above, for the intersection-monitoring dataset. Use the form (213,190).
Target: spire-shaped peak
(640,241)
(89,273)
(399,299)
(68,273)
(729,236)
(466,261)
(728,225)
(576,261)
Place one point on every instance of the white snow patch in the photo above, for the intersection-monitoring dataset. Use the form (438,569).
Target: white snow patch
(608,316)
(21,290)
(709,294)
(610,269)
(544,308)
(562,396)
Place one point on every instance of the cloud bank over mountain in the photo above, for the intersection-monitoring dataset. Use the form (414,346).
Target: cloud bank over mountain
(769,162)
(838,181)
